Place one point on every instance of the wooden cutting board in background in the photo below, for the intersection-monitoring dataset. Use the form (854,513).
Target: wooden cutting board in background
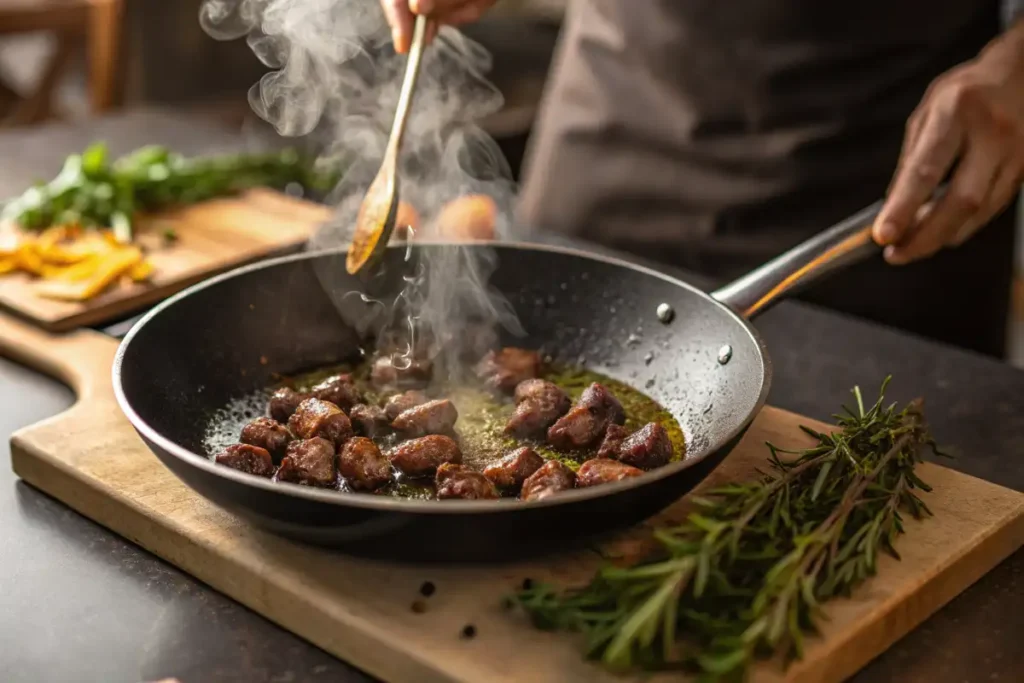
(212,237)
(361,611)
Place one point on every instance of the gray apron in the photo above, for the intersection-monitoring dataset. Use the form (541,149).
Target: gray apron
(714,135)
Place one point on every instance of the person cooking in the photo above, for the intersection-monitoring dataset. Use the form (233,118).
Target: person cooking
(714,136)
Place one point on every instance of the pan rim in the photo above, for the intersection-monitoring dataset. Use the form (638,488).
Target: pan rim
(433,507)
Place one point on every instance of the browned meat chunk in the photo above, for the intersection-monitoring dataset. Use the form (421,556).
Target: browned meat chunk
(539,404)
(368,420)
(613,438)
(284,402)
(512,470)
(246,458)
(433,417)
(647,448)
(363,465)
(309,462)
(604,471)
(421,457)
(454,481)
(399,403)
(400,372)
(549,479)
(268,434)
(504,369)
(314,417)
(338,390)
(588,420)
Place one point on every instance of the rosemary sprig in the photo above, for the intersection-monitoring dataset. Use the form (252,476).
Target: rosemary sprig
(745,575)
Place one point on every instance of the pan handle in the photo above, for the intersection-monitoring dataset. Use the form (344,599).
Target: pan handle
(840,246)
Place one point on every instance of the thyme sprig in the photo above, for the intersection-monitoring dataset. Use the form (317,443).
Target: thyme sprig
(745,575)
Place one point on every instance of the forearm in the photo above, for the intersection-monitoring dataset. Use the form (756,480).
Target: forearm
(1004,55)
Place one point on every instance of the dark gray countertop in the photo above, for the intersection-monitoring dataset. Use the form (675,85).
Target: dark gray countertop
(80,604)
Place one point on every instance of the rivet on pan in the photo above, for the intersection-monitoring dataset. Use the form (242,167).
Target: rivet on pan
(665,313)
(724,354)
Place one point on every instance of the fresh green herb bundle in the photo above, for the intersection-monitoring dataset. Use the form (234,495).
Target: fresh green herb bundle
(92,191)
(744,576)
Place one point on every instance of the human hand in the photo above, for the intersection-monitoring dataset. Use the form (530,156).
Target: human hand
(400,16)
(973,116)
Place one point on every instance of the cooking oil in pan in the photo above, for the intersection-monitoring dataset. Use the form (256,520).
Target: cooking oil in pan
(481,423)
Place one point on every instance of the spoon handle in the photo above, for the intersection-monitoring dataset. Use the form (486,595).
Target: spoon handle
(412,70)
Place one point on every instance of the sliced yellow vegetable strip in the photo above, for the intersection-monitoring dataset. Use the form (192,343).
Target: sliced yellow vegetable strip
(75,265)
(110,268)
(141,271)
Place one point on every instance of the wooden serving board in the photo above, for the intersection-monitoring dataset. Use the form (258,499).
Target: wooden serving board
(361,611)
(212,237)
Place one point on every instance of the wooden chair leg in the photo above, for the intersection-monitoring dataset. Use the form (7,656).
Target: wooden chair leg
(103,47)
(9,98)
(39,106)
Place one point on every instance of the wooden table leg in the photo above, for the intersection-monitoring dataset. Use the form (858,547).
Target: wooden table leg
(103,47)
(39,106)
(9,98)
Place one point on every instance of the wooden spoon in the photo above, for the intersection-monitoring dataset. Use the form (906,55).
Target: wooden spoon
(376,219)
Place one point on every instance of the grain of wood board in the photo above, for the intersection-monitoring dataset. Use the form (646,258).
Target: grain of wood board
(360,610)
(212,237)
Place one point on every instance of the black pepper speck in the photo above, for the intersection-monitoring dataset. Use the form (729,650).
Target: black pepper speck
(468,631)
(427,589)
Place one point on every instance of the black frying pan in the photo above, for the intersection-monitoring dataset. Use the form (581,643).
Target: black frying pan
(230,334)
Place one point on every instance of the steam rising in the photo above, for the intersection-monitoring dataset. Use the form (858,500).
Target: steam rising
(336,78)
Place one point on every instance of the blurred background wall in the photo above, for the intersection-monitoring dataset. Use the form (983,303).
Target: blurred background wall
(161,56)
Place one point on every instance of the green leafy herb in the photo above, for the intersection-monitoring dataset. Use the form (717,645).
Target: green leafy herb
(745,575)
(92,191)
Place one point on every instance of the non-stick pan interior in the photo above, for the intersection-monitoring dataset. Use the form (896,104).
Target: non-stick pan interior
(236,333)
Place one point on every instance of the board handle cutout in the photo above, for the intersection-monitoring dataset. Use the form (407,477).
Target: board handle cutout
(81,359)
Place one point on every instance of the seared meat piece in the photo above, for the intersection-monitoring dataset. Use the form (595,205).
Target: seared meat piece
(338,390)
(504,369)
(314,417)
(268,434)
(538,405)
(549,479)
(386,374)
(283,403)
(368,420)
(421,457)
(597,398)
(455,481)
(613,438)
(432,417)
(588,420)
(512,470)
(399,403)
(309,462)
(246,458)
(647,448)
(539,390)
(363,465)
(604,471)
